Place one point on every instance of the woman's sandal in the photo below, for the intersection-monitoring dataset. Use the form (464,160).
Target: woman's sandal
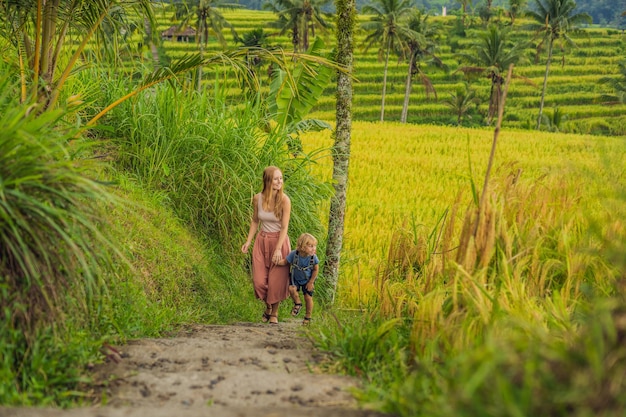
(306,321)
(274,318)
(296,309)
(266,314)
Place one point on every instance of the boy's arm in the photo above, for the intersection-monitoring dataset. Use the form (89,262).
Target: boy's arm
(314,272)
(287,260)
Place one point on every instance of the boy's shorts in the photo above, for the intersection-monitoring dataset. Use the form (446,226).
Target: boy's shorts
(304,290)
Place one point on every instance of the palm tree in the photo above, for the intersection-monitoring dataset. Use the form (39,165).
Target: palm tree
(252,41)
(554,121)
(387,29)
(207,19)
(516,8)
(491,56)
(346,17)
(553,19)
(301,17)
(464,6)
(617,84)
(461,103)
(422,43)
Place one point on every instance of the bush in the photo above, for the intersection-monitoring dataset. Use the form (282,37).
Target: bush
(54,251)
(207,160)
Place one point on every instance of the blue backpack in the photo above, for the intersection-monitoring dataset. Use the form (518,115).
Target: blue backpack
(300,278)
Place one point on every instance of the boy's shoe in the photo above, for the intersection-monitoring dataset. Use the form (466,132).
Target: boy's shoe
(296,309)
(306,321)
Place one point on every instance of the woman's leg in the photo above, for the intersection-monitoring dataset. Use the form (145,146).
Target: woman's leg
(260,267)
(278,277)
(274,313)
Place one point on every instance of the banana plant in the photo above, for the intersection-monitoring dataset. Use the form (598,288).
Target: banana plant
(40,32)
(294,93)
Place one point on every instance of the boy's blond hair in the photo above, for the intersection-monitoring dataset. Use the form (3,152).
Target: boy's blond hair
(303,239)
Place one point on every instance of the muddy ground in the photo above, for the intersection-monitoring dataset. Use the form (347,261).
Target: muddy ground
(244,369)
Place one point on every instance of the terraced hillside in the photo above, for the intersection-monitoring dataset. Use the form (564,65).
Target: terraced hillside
(573,87)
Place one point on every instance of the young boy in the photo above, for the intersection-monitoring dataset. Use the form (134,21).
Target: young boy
(304,267)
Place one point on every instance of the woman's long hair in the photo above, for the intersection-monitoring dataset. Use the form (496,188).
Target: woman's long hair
(268,177)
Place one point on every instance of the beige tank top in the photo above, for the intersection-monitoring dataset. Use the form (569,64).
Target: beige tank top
(269,222)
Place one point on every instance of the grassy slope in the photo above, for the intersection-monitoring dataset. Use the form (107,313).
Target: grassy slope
(183,277)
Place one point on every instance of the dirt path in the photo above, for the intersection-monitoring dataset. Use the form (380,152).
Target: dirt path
(243,369)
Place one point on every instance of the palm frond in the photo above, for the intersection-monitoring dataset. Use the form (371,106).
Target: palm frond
(291,98)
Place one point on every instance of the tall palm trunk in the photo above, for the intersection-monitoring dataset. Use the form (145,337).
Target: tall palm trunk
(494,94)
(346,10)
(464,14)
(382,105)
(149,36)
(407,90)
(305,35)
(545,83)
(201,32)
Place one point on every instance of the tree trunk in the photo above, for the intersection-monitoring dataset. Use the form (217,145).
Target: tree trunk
(382,105)
(545,83)
(153,48)
(407,91)
(201,32)
(346,12)
(305,35)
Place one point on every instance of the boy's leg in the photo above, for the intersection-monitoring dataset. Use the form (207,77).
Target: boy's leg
(308,302)
(293,293)
(297,304)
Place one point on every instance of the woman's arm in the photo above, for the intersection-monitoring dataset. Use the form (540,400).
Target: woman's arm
(254,224)
(284,226)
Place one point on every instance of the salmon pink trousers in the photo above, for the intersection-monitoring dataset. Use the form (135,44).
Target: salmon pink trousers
(271,282)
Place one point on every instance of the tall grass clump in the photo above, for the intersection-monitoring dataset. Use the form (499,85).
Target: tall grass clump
(206,159)
(86,257)
(53,252)
(516,311)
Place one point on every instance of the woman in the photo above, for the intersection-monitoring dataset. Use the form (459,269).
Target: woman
(271,210)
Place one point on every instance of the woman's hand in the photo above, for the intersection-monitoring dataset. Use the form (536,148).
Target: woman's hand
(245,247)
(277,257)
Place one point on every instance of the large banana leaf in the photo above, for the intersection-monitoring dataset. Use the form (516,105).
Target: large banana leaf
(293,96)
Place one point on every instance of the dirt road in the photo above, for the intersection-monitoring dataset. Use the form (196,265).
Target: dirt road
(243,369)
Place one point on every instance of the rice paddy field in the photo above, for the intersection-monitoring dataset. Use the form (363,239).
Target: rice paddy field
(573,85)
(406,177)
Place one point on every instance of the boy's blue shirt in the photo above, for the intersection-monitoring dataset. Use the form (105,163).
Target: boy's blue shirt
(301,273)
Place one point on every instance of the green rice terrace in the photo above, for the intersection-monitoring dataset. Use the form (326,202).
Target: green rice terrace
(574,100)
